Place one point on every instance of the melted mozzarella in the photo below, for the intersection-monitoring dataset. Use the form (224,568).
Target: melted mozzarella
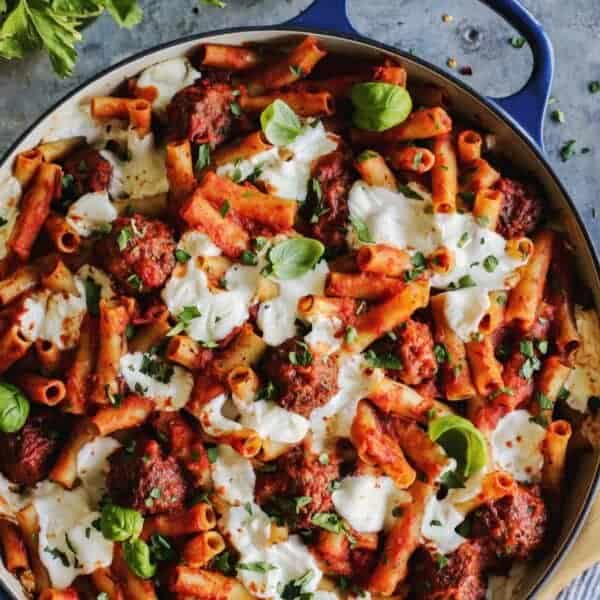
(584,379)
(517,446)
(507,587)
(322,336)
(54,317)
(144,174)
(10,194)
(69,545)
(198,244)
(394,219)
(248,529)
(168,77)
(99,277)
(286,177)
(277,317)
(171,395)
(87,214)
(11,501)
(367,502)
(464,309)
(274,423)
(441,517)
(334,419)
(75,120)
(233,476)
(269,420)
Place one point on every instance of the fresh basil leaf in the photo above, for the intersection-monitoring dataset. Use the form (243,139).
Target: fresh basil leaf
(362,230)
(462,441)
(379,106)
(293,258)
(279,123)
(203,159)
(256,567)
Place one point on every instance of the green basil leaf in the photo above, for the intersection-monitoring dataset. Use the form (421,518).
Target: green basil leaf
(295,257)
(379,106)
(119,524)
(137,557)
(461,440)
(279,123)
(14,408)
(362,230)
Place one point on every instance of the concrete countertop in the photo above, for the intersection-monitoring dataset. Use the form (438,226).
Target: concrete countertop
(475,37)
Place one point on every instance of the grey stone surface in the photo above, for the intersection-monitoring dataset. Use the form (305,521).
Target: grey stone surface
(475,37)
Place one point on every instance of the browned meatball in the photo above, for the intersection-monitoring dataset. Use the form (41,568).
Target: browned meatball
(304,380)
(145,480)
(89,170)
(201,113)
(521,209)
(27,456)
(513,526)
(298,473)
(458,576)
(414,348)
(327,210)
(139,252)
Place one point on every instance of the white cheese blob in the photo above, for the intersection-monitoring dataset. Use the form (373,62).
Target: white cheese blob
(90,212)
(277,317)
(441,517)
(10,195)
(197,244)
(75,120)
(464,310)
(11,501)
(34,312)
(394,219)
(248,529)
(144,174)
(169,395)
(100,278)
(69,545)
(334,419)
(584,380)
(213,418)
(517,446)
(286,177)
(233,476)
(507,587)
(168,77)
(323,335)
(367,502)
(272,422)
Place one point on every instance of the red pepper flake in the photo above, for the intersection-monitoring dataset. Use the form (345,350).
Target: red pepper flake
(466,70)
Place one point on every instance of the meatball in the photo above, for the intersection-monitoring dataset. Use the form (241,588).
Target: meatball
(303,379)
(513,526)
(414,347)
(27,456)
(458,576)
(521,210)
(89,170)
(298,473)
(145,480)
(327,209)
(201,113)
(139,252)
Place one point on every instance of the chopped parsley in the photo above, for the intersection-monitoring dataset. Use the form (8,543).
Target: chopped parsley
(248,258)
(181,256)
(256,567)
(544,402)
(295,589)
(184,319)
(362,230)
(418,157)
(324,458)
(224,208)
(435,523)
(296,70)
(222,562)
(563,394)
(203,159)
(419,263)
(441,354)
(125,235)
(490,263)
(235,109)
(350,335)
(157,369)
(135,282)
(383,361)
(302,356)
(516,41)
(332,522)
(268,392)
(594,87)
(558,116)
(212,454)
(58,554)
(160,548)
(407,191)
(568,150)
(462,242)
(441,561)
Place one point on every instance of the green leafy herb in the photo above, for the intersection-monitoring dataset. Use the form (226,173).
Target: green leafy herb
(297,71)
(161,549)
(236,109)
(366,155)
(408,192)
(568,150)
(467,197)
(156,368)
(563,394)
(137,557)
(184,319)
(217,3)
(213,453)
(517,41)
(462,441)
(256,567)
(544,402)
(302,356)
(125,235)
(350,335)
(379,106)
(540,420)
(464,238)
(279,123)
(490,263)
(324,458)
(383,361)
(14,408)
(362,230)
(558,116)
(203,159)
(441,354)
(92,296)
(441,561)
(295,589)
(529,367)
(248,258)
(594,87)
(268,392)
(119,524)
(135,282)
(452,479)
(435,523)
(58,554)
(294,257)
(224,208)
(181,256)
(224,563)
(483,221)
(464,528)
(542,346)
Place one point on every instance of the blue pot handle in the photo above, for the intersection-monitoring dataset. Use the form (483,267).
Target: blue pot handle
(527,106)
